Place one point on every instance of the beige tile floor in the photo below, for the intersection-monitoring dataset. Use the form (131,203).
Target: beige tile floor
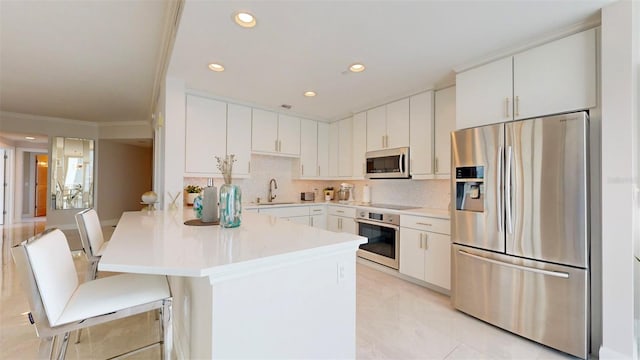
(395,320)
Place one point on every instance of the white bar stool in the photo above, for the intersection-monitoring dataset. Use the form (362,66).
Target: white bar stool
(60,305)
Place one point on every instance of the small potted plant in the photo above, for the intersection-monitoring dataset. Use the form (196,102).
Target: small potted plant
(192,191)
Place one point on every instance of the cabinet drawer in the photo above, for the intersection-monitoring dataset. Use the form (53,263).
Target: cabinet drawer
(287,211)
(341,211)
(425,224)
(317,210)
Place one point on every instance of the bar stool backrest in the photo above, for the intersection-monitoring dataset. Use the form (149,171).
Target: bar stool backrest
(90,231)
(47,268)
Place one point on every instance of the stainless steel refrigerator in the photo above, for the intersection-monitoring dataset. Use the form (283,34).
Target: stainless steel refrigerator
(520,254)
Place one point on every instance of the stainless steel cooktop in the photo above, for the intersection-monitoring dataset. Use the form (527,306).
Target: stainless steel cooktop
(391,206)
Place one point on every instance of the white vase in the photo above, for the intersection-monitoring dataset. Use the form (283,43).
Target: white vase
(191,197)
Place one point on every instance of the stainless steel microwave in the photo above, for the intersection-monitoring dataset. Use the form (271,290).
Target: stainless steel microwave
(388,164)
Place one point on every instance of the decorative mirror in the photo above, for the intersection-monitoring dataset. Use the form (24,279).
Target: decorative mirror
(72,173)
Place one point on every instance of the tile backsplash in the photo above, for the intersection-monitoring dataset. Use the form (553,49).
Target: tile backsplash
(421,193)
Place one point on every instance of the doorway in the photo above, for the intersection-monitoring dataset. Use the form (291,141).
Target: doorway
(42,165)
(3,184)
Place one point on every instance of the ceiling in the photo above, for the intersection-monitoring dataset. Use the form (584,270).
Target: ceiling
(82,60)
(100,60)
(407,46)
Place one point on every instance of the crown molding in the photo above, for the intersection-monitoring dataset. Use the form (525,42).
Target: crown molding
(592,22)
(124,123)
(23,116)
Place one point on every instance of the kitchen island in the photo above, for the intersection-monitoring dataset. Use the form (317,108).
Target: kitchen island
(267,289)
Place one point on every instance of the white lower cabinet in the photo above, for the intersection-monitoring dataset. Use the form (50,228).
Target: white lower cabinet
(318,216)
(424,254)
(341,219)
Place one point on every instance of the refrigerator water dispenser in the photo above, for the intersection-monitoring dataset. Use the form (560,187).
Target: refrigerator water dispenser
(470,188)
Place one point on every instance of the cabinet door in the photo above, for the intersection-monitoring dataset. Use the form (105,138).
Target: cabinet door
(308,148)
(348,225)
(376,128)
(420,139)
(289,134)
(359,145)
(437,259)
(206,134)
(333,149)
(323,149)
(333,223)
(398,124)
(318,221)
(345,135)
(556,77)
(411,253)
(264,131)
(484,94)
(239,137)
(445,123)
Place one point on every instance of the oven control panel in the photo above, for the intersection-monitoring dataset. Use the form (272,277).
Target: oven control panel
(384,218)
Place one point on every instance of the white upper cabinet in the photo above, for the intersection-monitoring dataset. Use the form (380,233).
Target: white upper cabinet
(206,135)
(484,94)
(289,135)
(421,137)
(239,138)
(264,131)
(345,147)
(445,123)
(556,77)
(398,124)
(333,149)
(376,128)
(553,78)
(275,134)
(323,149)
(388,126)
(308,149)
(359,145)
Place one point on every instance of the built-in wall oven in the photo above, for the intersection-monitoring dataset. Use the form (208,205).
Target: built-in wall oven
(383,233)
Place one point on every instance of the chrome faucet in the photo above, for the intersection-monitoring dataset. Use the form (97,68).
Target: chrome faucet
(275,186)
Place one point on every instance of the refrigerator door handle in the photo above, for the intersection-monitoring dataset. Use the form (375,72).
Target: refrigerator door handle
(559,274)
(507,189)
(499,188)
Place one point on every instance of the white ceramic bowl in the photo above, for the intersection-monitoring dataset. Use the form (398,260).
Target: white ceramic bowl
(150,197)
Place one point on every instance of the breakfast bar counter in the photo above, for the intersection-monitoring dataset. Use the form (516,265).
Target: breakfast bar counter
(267,289)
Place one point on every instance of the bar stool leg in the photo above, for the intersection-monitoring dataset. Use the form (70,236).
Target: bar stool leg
(167,329)
(45,350)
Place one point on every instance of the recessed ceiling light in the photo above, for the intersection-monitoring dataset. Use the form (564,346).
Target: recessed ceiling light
(29,138)
(244,19)
(216,67)
(310,93)
(357,67)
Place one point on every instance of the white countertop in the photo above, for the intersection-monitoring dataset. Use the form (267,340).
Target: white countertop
(158,242)
(418,211)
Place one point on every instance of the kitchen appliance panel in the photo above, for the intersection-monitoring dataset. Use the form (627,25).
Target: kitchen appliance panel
(388,164)
(546,189)
(382,231)
(477,216)
(544,302)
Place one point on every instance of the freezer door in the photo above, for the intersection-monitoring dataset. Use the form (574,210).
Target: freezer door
(544,302)
(546,189)
(476,187)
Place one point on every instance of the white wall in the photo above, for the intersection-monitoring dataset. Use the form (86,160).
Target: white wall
(421,193)
(125,174)
(172,132)
(619,159)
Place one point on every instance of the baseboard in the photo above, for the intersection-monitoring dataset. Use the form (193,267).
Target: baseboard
(606,354)
(396,273)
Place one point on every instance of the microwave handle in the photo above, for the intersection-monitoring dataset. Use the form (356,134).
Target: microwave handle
(401,163)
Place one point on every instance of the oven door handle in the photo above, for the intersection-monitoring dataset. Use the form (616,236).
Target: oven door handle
(377,223)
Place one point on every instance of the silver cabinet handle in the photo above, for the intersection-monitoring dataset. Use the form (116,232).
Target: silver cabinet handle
(340,211)
(500,160)
(506,106)
(311,221)
(559,274)
(302,168)
(317,210)
(425,224)
(318,171)
(426,241)
(383,141)
(436,165)
(276,145)
(507,189)
(280,145)
(386,144)
(421,241)
(517,106)
(339,223)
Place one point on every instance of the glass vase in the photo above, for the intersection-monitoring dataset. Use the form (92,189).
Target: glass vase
(230,205)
